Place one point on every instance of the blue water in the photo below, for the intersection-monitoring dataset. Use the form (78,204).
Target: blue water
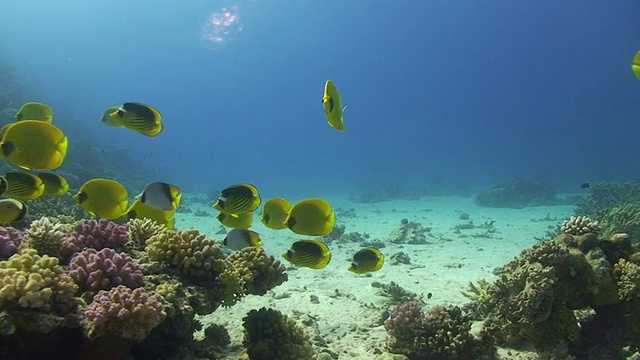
(438,92)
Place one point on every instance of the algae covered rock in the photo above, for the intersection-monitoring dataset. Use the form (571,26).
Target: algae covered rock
(440,333)
(271,335)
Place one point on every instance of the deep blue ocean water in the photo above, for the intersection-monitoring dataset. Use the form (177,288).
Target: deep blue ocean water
(455,94)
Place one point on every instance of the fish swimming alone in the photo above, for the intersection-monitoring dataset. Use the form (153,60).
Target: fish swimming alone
(34,144)
(238,199)
(367,260)
(54,184)
(275,213)
(23,185)
(238,239)
(103,198)
(161,196)
(35,111)
(635,67)
(308,253)
(12,210)
(239,221)
(333,106)
(142,118)
(312,217)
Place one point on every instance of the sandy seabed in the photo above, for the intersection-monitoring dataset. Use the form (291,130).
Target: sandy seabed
(341,310)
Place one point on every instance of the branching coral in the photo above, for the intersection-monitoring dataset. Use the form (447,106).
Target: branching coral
(47,236)
(95,235)
(579,225)
(621,219)
(191,252)
(122,312)
(628,276)
(260,272)
(35,293)
(607,195)
(271,335)
(96,270)
(142,229)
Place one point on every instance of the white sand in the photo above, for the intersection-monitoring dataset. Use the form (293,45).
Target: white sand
(343,316)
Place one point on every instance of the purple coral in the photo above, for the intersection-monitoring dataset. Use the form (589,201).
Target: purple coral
(126,313)
(96,235)
(405,323)
(96,270)
(10,240)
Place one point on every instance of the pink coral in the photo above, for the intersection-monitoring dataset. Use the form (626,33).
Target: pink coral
(122,312)
(10,240)
(96,235)
(96,270)
(404,321)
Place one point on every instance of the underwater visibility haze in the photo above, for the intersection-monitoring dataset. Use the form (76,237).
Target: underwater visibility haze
(436,91)
(337,150)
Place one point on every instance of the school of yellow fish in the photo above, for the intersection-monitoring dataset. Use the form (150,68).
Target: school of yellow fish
(36,146)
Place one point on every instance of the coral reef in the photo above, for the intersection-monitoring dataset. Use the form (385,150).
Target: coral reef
(140,230)
(271,335)
(259,271)
(409,232)
(95,270)
(142,297)
(607,195)
(62,207)
(189,251)
(97,235)
(517,194)
(46,235)
(440,333)
(579,225)
(125,313)
(536,296)
(10,241)
(36,294)
(620,219)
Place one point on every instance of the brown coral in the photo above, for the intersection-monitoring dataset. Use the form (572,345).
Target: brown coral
(140,230)
(188,251)
(628,276)
(260,272)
